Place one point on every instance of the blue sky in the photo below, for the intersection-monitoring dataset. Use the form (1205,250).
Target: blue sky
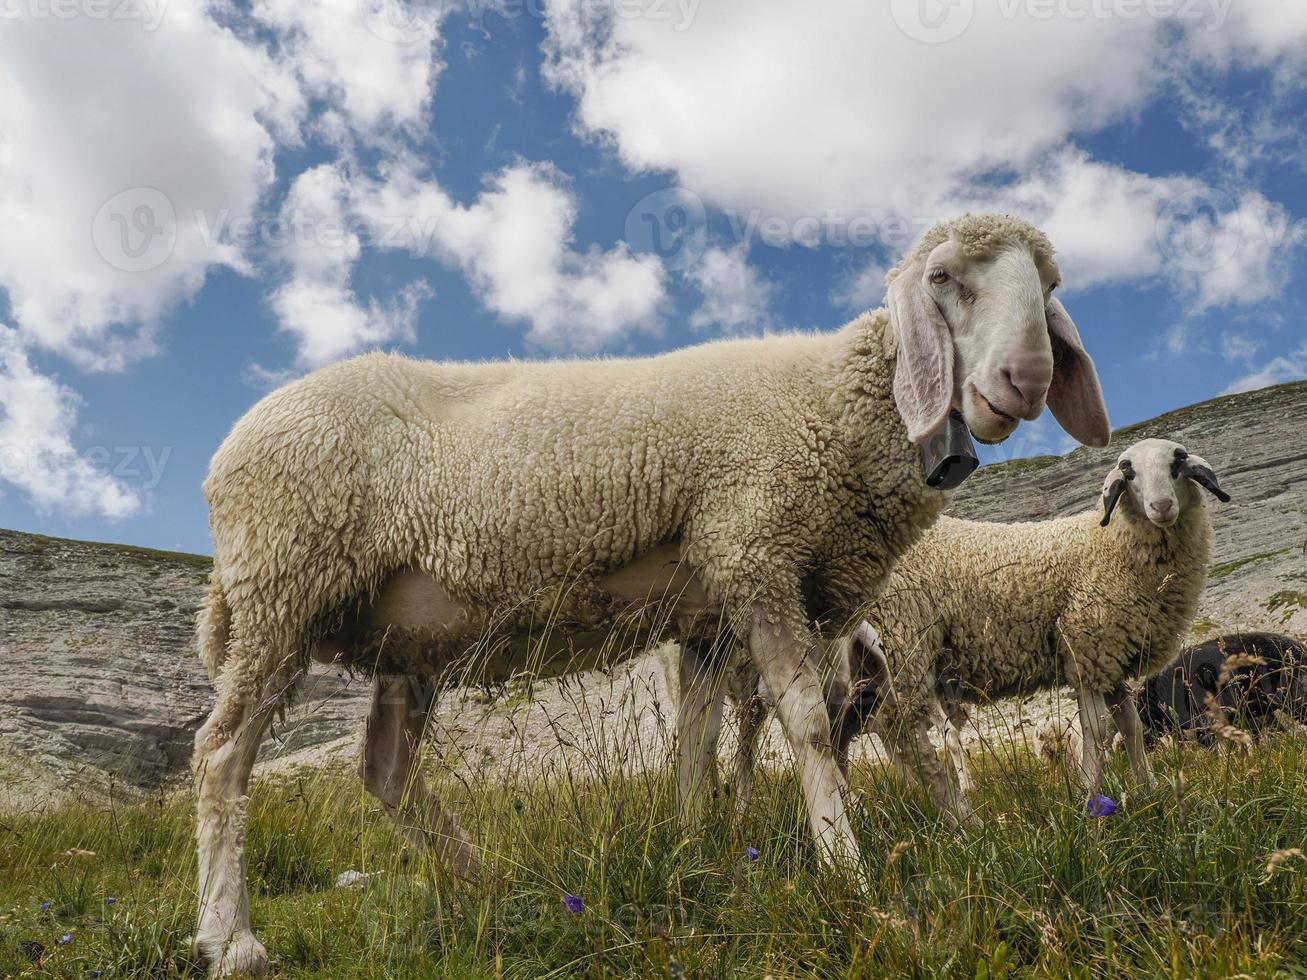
(201,201)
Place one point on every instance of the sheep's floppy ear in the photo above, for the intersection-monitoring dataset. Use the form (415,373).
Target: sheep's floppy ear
(1196,469)
(1074,397)
(1112,489)
(923,377)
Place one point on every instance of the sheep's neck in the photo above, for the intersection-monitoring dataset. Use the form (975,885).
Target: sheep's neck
(1171,567)
(1178,549)
(876,437)
(886,465)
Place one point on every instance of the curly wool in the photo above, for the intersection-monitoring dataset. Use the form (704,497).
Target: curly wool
(983,611)
(515,484)
(979,236)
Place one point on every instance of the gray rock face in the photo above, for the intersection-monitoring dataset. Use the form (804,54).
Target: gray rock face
(100,684)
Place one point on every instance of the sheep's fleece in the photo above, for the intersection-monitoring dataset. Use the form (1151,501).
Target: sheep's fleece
(516,485)
(778,469)
(991,610)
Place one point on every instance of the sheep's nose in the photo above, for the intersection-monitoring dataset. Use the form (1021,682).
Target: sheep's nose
(1162,508)
(1029,388)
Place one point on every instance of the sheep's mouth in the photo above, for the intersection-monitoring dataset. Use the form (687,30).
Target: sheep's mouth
(997,411)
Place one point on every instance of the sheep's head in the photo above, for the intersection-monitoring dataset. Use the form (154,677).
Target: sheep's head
(980,331)
(1160,480)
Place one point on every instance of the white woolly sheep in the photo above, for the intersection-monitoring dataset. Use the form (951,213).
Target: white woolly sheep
(977,611)
(491,518)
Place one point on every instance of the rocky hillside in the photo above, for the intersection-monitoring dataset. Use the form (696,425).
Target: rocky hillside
(101,683)
(102,690)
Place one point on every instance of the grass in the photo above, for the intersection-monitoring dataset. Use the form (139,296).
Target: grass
(1174,884)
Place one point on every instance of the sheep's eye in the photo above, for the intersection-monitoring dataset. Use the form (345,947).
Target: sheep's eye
(938,276)
(1054,286)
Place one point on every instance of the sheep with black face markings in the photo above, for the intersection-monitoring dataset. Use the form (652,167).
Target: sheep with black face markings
(470,520)
(978,611)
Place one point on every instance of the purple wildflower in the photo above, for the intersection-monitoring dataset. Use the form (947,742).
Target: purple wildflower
(573,903)
(1101,806)
(95,973)
(111,901)
(45,906)
(751,853)
(65,939)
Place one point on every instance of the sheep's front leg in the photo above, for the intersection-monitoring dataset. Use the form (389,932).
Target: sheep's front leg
(1125,715)
(779,652)
(1094,735)
(391,770)
(698,725)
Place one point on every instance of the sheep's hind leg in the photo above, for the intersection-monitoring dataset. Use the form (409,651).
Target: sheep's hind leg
(698,726)
(1125,715)
(949,721)
(225,749)
(391,770)
(910,747)
(752,715)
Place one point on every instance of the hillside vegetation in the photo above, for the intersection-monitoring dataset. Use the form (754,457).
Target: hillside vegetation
(1195,878)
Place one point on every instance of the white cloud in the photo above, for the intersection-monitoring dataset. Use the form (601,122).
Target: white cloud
(864,120)
(1238,347)
(1110,225)
(374,60)
(1251,247)
(111,137)
(861,116)
(865,289)
(37,418)
(1270,32)
(317,305)
(514,246)
(735,298)
(1278,370)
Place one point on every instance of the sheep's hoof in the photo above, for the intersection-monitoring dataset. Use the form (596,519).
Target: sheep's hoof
(241,955)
